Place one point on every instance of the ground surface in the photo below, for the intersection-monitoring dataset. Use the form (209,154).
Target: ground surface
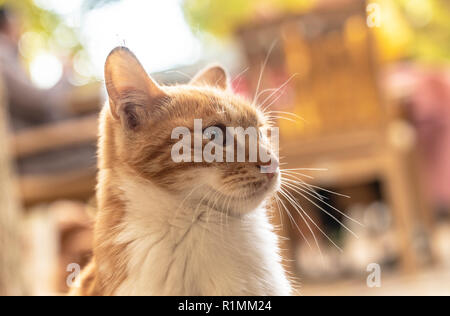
(429,282)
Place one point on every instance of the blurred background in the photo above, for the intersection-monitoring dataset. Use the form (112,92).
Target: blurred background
(370,81)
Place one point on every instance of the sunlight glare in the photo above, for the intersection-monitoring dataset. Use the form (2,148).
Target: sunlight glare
(45,70)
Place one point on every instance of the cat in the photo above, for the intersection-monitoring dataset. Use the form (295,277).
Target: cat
(167,228)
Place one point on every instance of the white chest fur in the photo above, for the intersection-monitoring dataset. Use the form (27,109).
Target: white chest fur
(182,255)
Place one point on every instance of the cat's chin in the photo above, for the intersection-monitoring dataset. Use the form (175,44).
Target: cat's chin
(265,191)
(255,199)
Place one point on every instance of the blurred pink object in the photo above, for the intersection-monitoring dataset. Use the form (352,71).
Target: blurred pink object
(428,95)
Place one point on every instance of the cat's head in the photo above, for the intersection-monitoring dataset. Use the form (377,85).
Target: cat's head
(141,121)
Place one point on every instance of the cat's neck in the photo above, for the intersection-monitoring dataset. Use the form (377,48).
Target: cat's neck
(173,248)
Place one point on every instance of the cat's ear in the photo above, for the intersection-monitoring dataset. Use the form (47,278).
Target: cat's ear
(215,76)
(131,91)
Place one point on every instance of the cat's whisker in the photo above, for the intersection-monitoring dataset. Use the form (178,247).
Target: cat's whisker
(300,190)
(287,113)
(222,213)
(282,118)
(238,85)
(290,173)
(292,220)
(307,169)
(222,227)
(262,92)
(275,198)
(325,190)
(239,75)
(262,69)
(302,184)
(308,187)
(274,100)
(296,204)
(180,73)
(197,218)
(317,187)
(184,200)
(199,204)
(300,211)
(296,177)
(216,195)
(278,89)
(227,211)
(214,199)
(292,202)
(330,191)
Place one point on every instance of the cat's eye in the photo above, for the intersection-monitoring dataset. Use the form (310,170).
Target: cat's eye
(216,133)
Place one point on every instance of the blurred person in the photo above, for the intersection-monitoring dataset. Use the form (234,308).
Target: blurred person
(428,106)
(28,105)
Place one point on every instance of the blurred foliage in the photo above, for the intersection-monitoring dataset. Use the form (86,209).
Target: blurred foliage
(43,30)
(94,4)
(415,29)
(430,22)
(418,29)
(223,17)
(46,30)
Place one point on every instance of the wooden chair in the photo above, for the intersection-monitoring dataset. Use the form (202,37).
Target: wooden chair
(348,128)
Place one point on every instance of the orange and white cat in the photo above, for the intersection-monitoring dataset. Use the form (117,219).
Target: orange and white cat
(167,228)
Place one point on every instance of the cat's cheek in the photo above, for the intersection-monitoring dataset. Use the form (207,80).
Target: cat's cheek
(202,175)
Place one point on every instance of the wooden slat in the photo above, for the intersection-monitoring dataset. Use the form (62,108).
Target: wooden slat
(78,184)
(58,135)
(86,99)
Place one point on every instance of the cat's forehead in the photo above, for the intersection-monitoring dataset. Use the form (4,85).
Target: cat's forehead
(205,102)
